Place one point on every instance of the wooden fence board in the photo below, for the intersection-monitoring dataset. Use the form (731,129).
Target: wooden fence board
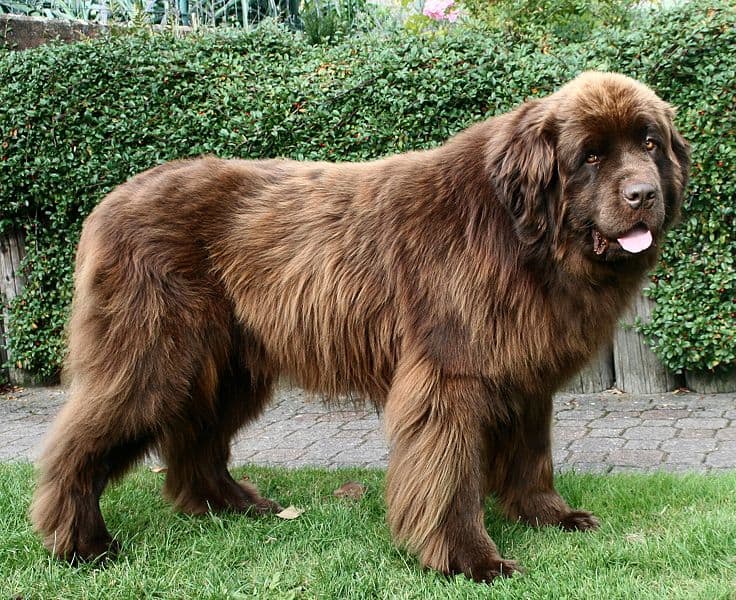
(12,252)
(596,376)
(638,370)
(711,383)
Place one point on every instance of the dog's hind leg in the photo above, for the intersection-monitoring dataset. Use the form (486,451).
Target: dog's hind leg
(86,448)
(436,425)
(129,373)
(196,450)
(143,320)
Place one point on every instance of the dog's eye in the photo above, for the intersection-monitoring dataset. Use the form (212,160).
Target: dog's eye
(650,144)
(592,159)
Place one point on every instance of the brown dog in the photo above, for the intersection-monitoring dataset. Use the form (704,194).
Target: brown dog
(457,288)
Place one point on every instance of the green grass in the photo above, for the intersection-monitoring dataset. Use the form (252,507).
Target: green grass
(663,536)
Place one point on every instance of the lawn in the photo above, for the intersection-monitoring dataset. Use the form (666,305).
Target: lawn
(662,536)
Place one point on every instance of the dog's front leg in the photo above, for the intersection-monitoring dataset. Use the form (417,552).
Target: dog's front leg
(522,478)
(436,426)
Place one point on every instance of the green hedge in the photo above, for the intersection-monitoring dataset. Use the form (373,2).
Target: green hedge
(77,120)
(552,23)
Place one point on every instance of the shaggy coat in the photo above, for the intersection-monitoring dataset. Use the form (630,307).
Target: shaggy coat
(457,288)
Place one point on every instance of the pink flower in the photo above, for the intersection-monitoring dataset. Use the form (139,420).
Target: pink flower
(439,10)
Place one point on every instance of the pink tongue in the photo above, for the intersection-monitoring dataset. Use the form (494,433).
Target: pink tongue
(636,240)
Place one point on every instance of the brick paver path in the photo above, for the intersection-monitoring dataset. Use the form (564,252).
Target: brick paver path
(608,432)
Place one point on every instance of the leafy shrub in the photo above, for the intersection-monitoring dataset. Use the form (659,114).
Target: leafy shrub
(328,20)
(77,120)
(694,326)
(553,21)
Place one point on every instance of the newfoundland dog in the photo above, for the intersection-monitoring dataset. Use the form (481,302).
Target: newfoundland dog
(456,288)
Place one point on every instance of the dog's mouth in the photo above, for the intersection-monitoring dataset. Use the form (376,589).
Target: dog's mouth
(634,241)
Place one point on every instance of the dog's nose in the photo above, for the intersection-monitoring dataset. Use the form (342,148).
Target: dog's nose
(639,193)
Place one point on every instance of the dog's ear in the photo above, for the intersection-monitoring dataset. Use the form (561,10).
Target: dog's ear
(680,157)
(522,164)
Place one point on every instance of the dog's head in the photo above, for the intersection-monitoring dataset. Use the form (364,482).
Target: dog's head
(597,168)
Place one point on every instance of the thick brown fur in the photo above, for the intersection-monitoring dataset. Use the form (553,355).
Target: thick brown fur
(456,288)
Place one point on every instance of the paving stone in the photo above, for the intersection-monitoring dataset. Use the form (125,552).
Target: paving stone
(726,434)
(567,434)
(704,413)
(658,422)
(579,414)
(347,434)
(648,433)
(686,458)
(280,430)
(294,441)
(559,456)
(586,467)
(627,412)
(241,457)
(362,424)
(368,438)
(670,467)
(696,433)
(359,456)
(597,444)
(698,423)
(380,463)
(721,458)
(644,459)
(667,413)
(614,422)
(642,444)
(726,444)
(559,447)
(624,469)
(689,445)
(277,456)
(604,432)
(586,457)
(307,418)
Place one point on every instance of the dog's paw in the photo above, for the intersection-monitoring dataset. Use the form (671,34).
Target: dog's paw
(485,571)
(99,551)
(480,562)
(255,504)
(579,520)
